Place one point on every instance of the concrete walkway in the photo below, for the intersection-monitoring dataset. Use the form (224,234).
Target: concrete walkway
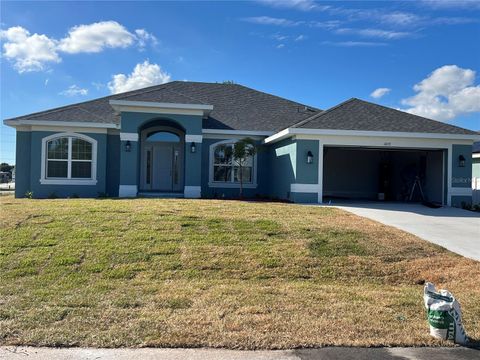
(328,353)
(457,230)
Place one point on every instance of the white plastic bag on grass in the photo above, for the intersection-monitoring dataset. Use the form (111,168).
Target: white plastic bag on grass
(444,315)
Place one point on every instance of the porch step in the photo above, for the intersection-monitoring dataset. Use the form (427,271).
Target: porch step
(160,194)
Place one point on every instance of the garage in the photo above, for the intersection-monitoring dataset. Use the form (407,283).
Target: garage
(383,174)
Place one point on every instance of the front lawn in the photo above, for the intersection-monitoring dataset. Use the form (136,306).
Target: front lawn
(149,272)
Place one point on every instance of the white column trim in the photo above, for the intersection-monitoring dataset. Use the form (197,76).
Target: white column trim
(320,172)
(449,175)
(127,191)
(128,136)
(192,192)
(304,188)
(443,178)
(193,138)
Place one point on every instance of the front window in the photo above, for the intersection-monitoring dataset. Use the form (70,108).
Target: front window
(226,167)
(69,157)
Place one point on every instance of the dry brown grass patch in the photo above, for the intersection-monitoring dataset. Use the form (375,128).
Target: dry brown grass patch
(149,272)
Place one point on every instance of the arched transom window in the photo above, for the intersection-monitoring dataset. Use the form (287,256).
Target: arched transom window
(69,157)
(164,136)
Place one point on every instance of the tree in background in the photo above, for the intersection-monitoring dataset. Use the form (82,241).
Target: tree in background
(243,150)
(6,167)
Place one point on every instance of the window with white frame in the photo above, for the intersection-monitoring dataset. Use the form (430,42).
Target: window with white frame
(68,157)
(226,168)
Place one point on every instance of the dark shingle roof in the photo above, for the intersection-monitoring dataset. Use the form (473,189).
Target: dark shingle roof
(238,107)
(234,106)
(356,114)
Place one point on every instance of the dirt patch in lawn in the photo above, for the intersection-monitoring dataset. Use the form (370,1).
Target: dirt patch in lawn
(148,272)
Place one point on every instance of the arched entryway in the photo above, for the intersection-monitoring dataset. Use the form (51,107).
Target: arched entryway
(162,159)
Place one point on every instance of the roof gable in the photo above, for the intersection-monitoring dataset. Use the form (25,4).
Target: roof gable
(360,115)
(235,107)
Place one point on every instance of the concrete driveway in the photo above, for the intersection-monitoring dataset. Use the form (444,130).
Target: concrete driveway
(328,353)
(457,230)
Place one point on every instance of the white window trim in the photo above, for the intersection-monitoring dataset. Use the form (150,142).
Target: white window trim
(68,181)
(219,184)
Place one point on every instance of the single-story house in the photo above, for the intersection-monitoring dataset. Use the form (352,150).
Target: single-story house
(173,140)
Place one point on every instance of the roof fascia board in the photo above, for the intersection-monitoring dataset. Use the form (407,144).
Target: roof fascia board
(297,131)
(16,123)
(279,136)
(237,132)
(151,104)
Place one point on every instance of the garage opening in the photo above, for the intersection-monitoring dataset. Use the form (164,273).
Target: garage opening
(383,174)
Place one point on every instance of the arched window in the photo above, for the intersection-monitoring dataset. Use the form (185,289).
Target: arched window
(68,157)
(164,136)
(225,168)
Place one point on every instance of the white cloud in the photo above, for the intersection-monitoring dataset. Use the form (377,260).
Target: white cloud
(329,25)
(28,52)
(280,46)
(143,75)
(144,38)
(378,93)
(267,20)
(300,38)
(354,43)
(446,93)
(454,4)
(95,37)
(34,52)
(400,18)
(303,5)
(374,33)
(74,90)
(279,37)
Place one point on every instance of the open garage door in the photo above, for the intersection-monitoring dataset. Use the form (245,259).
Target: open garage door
(383,174)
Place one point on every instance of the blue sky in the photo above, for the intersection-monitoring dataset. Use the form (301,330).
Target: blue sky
(420,56)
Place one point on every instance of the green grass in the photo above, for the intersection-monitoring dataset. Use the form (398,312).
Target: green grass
(148,272)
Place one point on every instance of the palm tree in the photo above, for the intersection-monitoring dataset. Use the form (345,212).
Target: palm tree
(243,150)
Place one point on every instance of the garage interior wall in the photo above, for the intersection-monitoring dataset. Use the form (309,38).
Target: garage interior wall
(357,173)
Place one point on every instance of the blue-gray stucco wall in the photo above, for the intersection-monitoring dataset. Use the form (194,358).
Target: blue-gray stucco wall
(113,165)
(282,168)
(29,170)
(288,165)
(278,166)
(193,164)
(226,192)
(459,201)
(462,176)
(132,122)
(22,164)
(307,173)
